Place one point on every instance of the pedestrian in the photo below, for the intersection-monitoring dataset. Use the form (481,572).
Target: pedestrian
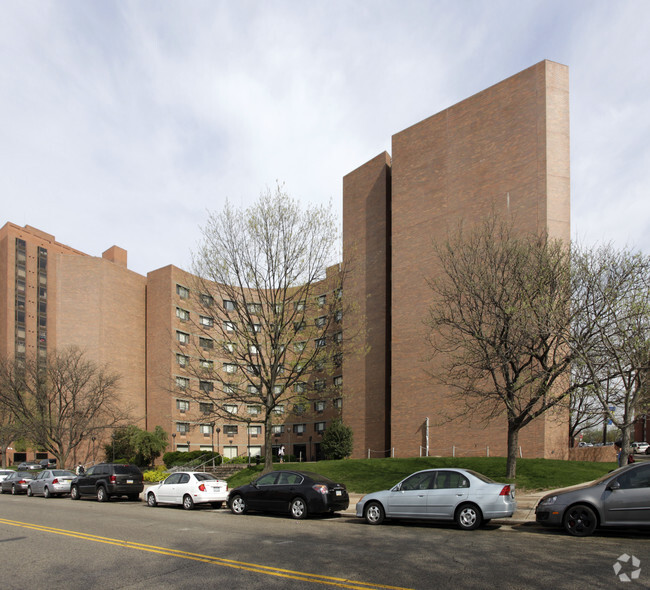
(618,445)
(281,454)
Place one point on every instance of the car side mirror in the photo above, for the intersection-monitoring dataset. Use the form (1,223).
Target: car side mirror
(613,485)
(397,488)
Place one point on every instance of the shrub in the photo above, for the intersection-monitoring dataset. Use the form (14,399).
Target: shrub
(337,441)
(191,458)
(155,475)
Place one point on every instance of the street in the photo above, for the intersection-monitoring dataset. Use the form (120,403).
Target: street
(127,545)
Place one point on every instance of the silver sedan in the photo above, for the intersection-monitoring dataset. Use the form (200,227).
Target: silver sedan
(459,495)
(50,482)
(16,483)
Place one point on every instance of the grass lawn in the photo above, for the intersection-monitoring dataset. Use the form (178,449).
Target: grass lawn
(369,475)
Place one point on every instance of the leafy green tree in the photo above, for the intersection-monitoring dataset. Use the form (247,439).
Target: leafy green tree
(136,445)
(337,440)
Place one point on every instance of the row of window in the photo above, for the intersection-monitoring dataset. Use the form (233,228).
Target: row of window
(255,409)
(254,430)
(206,386)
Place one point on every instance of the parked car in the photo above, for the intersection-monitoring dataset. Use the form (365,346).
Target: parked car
(640,447)
(188,489)
(297,493)
(105,480)
(619,499)
(28,465)
(461,495)
(51,482)
(5,473)
(16,483)
(48,463)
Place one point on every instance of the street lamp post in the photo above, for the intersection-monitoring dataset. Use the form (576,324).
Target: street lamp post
(218,431)
(212,433)
(173,441)
(94,439)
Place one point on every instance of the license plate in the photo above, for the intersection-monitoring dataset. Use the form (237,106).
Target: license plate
(129,481)
(339,493)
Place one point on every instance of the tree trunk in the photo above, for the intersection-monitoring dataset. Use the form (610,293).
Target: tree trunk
(513,446)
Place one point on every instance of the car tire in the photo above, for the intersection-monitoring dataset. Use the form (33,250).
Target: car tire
(217,504)
(74,493)
(580,520)
(188,503)
(647,451)
(151,500)
(238,505)
(102,495)
(298,509)
(374,513)
(29,491)
(468,517)
(46,492)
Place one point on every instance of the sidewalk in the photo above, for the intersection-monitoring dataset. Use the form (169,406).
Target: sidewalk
(525,507)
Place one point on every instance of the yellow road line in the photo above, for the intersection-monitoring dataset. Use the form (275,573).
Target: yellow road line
(242,565)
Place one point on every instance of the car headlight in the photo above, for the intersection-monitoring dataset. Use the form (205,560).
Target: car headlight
(548,501)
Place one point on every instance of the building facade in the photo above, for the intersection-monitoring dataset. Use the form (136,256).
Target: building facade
(505,149)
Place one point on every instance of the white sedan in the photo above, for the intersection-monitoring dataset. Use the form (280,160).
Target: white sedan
(639,447)
(188,488)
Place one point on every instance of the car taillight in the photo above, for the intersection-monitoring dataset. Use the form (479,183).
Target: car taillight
(321,488)
(113,479)
(55,481)
(505,491)
(202,487)
(22,481)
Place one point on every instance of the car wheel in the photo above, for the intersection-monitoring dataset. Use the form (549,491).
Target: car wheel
(468,517)
(74,493)
(580,520)
(374,513)
(29,491)
(217,504)
(647,451)
(238,505)
(151,500)
(298,509)
(188,503)
(46,492)
(102,496)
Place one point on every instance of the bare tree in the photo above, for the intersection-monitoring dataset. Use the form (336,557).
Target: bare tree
(62,403)
(586,413)
(501,325)
(10,430)
(614,288)
(270,304)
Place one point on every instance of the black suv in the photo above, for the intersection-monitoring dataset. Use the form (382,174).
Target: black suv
(108,479)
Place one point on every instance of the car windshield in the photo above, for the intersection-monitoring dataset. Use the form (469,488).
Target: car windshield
(61,472)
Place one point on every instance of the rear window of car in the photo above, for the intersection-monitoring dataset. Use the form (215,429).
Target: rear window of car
(483,478)
(62,472)
(127,470)
(204,476)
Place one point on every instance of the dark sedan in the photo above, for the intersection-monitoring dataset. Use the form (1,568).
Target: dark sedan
(17,482)
(620,499)
(297,493)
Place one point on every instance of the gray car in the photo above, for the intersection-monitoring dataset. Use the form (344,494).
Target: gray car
(461,495)
(620,499)
(17,482)
(51,482)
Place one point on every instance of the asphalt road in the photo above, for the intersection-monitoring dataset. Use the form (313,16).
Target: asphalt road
(58,543)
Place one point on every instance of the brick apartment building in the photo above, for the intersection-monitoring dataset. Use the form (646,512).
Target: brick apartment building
(505,149)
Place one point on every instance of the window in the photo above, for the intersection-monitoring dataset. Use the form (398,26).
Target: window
(449,480)
(207,300)
(252,349)
(338,293)
(321,321)
(182,427)
(230,429)
(252,389)
(279,409)
(253,410)
(277,389)
(277,429)
(319,385)
(319,406)
(338,316)
(206,386)
(299,326)
(182,337)
(254,328)
(299,306)
(338,337)
(338,381)
(321,300)
(206,364)
(206,321)
(277,308)
(338,403)
(182,382)
(320,342)
(253,369)
(338,359)
(299,346)
(319,427)
(254,308)
(182,314)
(255,430)
(229,326)
(420,481)
(230,408)
(182,292)
(299,387)
(230,367)
(229,388)
(206,429)
(230,346)
(182,360)
(182,405)
(299,408)
(206,343)
(298,428)
(206,407)
(228,305)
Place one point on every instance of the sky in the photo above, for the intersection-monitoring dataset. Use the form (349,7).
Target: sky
(125,122)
